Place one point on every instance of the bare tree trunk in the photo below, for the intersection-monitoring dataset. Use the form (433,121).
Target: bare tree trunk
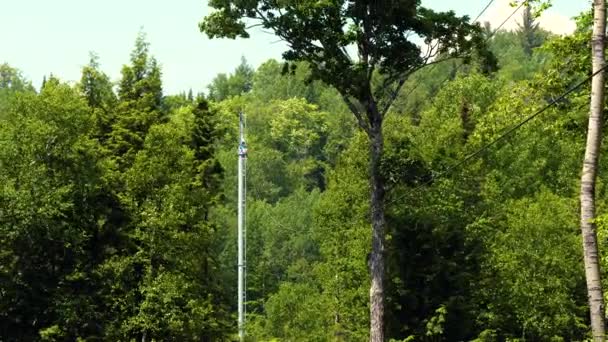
(376,265)
(594,138)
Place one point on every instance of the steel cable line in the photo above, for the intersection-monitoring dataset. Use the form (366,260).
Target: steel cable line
(483,10)
(499,138)
(487,39)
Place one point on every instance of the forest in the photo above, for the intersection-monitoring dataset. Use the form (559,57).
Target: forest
(118,201)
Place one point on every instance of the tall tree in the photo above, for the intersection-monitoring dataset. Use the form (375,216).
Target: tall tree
(529,32)
(11,81)
(589,175)
(139,102)
(321,33)
(224,86)
(48,216)
(11,78)
(96,88)
(170,188)
(96,85)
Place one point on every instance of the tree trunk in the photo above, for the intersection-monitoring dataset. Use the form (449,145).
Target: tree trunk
(594,138)
(376,265)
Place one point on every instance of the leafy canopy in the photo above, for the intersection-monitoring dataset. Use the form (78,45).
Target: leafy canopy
(391,37)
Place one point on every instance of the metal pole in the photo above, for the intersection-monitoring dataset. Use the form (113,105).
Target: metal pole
(242,263)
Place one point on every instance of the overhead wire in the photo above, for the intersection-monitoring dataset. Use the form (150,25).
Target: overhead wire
(506,20)
(500,137)
(487,39)
(494,32)
(483,10)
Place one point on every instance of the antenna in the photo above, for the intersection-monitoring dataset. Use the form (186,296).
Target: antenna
(242,202)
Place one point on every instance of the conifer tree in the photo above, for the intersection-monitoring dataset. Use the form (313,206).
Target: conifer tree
(139,102)
(96,88)
(529,32)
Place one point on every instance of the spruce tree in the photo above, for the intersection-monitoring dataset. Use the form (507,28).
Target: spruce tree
(139,103)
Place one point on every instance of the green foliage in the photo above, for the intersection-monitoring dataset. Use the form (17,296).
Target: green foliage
(320,35)
(92,251)
(543,298)
(298,311)
(512,47)
(529,33)
(225,86)
(228,22)
(139,103)
(271,83)
(11,82)
(11,79)
(96,88)
(170,187)
(117,210)
(538,5)
(343,235)
(140,85)
(50,175)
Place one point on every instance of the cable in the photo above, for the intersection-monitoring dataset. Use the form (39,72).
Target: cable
(502,136)
(483,10)
(487,39)
(505,21)
(499,27)
(474,20)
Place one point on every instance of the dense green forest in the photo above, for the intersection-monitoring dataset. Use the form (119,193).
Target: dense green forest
(118,202)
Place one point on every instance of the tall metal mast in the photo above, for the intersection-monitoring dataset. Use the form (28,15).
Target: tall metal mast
(242,260)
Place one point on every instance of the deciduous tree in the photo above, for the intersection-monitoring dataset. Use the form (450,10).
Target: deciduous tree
(321,33)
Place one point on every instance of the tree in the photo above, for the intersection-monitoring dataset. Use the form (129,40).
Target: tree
(165,282)
(139,103)
(320,34)
(589,174)
(49,216)
(95,85)
(224,86)
(534,288)
(96,88)
(11,81)
(529,32)
(271,83)
(342,233)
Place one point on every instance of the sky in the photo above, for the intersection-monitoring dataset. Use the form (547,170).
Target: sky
(40,37)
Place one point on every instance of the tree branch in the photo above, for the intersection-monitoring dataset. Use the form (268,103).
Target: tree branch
(370,73)
(402,80)
(357,113)
(254,25)
(393,96)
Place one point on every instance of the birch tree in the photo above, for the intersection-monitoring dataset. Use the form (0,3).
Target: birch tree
(589,175)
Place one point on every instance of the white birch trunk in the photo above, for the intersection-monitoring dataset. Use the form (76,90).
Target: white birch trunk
(590,167)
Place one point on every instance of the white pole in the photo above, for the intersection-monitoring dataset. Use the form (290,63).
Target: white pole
(242,263)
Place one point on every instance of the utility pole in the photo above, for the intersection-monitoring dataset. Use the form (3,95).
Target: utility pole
(242,201)
(590,166)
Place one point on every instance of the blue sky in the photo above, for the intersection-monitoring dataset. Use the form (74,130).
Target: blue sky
(41,36)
